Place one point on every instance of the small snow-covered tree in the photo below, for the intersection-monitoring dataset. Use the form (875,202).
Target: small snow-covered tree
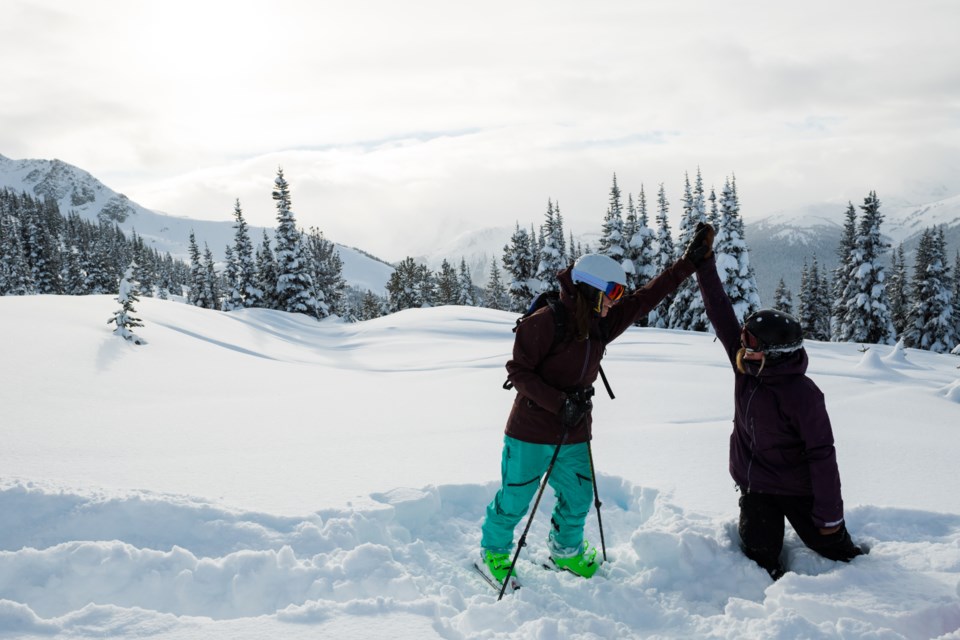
(403,291)
(931,323)
(124,317)
(897,285)
(814,307)
(782,298)
(663,258)
(266,279)
(244,291)
(496,294)
(611,233)
(842,289)
(447,285)
(466,293)
(519,264)
(552,255)
(733,256)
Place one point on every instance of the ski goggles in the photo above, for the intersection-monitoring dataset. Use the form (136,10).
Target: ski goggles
(614,291)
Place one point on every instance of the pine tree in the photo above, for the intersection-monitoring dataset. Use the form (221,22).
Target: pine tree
(210,291)
(447,284)
(372,306)
(867,318)
(842,289)
(267,273)
(611,233)
(326,270)
(686,309)
(196,272)
(733,257)
(465,290)
(15,275)
(124,318)
(230,282)
(897,285)
(403,291)
(244,292)
(931,323)
(552,255)
(518,262)
(658,318)
(295,288)
(496,295)
(782,298)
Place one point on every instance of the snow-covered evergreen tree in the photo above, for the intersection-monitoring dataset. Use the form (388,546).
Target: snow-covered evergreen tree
(733,256)
(518,262)
(244,291)
(466,294)
(326,271)
(448,288)
(956,301)
(641,247)
(931,323)
(403,290)
(842,289)
(897,285)
(552,255)
(124,317)
(229,276)
(196,271)
(295,288)
(372,306)
(686,309)
(15,275)
(266,280)
(496,294)
(782,298)
(210,295)
(611,233)
(664,257)
(867,318)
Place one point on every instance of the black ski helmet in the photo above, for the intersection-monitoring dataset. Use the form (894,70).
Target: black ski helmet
(773,332)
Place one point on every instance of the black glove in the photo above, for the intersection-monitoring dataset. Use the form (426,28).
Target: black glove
(576,407)
(701,246)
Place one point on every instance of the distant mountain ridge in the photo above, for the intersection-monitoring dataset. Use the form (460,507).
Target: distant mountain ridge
(77,190)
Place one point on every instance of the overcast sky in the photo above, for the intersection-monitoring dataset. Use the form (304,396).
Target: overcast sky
(398,123)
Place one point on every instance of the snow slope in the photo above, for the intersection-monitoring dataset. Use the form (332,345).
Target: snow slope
(257,474)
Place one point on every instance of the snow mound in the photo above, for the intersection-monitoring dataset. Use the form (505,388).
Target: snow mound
(139,564)
(952,391)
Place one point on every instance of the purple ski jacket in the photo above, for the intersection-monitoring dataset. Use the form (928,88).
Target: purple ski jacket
(782,442)
(543,372)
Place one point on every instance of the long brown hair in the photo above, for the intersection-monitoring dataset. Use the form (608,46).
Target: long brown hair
(586,299)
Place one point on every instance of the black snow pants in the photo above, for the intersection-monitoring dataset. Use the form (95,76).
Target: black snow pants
(761,530)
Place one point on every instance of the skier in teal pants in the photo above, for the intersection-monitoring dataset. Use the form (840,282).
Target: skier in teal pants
(554,375)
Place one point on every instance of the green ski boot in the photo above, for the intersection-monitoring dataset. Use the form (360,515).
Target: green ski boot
(496,566)
(584,564)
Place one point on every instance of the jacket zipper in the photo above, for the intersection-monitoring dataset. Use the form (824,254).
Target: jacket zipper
(748,420)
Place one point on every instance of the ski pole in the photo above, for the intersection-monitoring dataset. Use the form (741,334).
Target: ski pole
(523,539)
(596,501)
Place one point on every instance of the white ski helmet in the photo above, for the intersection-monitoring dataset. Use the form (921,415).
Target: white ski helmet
(600,272)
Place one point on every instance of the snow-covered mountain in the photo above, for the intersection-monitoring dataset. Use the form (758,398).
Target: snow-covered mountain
(77,190)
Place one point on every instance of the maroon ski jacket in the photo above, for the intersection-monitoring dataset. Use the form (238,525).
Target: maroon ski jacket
(543,372)
(782,442)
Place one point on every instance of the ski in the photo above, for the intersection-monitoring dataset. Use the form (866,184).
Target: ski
(496,586)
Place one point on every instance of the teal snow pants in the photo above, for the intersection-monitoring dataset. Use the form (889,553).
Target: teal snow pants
(521,468)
